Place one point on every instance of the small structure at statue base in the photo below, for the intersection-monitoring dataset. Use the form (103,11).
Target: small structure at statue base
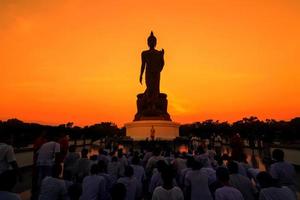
(152,120)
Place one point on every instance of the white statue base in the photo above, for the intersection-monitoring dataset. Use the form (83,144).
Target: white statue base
(152,129)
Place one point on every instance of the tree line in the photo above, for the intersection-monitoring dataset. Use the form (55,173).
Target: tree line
(21,133)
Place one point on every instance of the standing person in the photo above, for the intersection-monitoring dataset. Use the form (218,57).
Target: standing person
(82,166)
(218,145)
(36,146)
(54,188)
(114,168)
(272,191)
(64,146)
(8,180)
(134,190)
(153,160)
(196,184)
(167,191)
(70,162)
(8,158)
(226,192)
(138,170)
(283,171)
(240,182)
(93,186)
(118,192)
(109,180)
(47,158)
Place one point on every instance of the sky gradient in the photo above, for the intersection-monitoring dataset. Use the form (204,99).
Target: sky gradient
(79,60)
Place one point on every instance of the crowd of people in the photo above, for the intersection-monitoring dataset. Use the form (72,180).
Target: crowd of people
(157,173)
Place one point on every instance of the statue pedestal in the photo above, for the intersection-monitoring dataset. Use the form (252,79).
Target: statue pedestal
(156,129)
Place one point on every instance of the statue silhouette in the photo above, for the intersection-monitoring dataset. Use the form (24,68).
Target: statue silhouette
(153,60)
(152,104)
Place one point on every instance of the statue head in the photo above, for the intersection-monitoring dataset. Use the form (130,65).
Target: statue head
(151,41)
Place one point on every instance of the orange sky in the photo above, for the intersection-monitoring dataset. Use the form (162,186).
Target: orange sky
(79,60)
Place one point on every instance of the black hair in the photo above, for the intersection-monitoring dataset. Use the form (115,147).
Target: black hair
(84,152)
(128,171)
(197,165)
(102,166)
(222,174)
(135,160)
(8,180)
(265,180)
(233,167)
(94,169)
(278,155)
(118,192)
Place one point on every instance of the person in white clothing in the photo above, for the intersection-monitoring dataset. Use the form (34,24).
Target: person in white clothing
(240,182)
(133,188)
(46,159)
(138,170)
(93,186)
(167,191)
(271,190)
(53,188)
(283,171)
(196,183)
(227,192)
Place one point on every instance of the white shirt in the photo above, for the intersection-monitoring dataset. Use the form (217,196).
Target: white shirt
(228,193)
(9,196)
(46,154)
(139,173)
(93,188)
(284,172)
(7,155)
(275,193)
(161,193)
(54,188)
(133,188)
(243,184)
(198,181)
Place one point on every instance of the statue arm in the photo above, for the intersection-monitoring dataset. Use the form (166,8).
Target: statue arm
(162,59)
(142,67)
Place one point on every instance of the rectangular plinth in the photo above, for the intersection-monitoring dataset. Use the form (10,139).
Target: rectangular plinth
(157,129)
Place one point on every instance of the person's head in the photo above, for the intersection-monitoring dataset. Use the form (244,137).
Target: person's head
(100,151)
(84,153)
(94,169)
(118,192)
(151,41)
(190,161)
(120,153)
(8,180)
(197,165)
(167,176)
(156,152)
(56,171)
(233,167)
(128,171)
(74,191)
(161,165)
(72,148)
(278,155)
(135,160)
(114,159)
(265,180)
(200,150)
(222,174)
(102,166)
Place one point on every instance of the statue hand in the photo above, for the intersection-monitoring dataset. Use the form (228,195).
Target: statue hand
(141,80)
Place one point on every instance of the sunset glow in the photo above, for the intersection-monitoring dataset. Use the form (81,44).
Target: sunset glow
(79,60)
